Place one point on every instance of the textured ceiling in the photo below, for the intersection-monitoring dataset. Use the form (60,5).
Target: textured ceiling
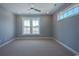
(24,8)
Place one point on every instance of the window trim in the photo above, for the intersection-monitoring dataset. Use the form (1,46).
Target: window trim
(66,10)
(30,26)
(23,27)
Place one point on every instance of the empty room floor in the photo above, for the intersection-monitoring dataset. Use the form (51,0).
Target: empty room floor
(42,47)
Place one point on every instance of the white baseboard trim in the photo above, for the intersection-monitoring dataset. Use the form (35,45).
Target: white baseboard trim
(31,38)
(67,47)
(6,43)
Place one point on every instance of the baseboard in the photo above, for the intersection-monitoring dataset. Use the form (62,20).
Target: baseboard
(31,38)
(6,43)
(67,47)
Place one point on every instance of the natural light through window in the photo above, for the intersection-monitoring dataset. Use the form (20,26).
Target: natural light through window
(74,10)
(26,27)
(35,27)
(31,26)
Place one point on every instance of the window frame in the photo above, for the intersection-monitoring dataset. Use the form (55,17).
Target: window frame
(36,26)
(23,18)
(67,10)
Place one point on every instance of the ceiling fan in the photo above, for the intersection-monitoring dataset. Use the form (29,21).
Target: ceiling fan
(33,8)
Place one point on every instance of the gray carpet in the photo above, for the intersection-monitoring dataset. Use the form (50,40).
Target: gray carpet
(34,48)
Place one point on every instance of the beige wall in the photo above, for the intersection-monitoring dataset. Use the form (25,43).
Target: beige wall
(45,25)
(67,30)
(7,25)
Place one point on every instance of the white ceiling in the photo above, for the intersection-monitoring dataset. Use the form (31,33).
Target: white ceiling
(24,8)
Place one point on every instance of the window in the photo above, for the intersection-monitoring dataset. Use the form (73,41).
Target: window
(31,26)
(26,27)
(65,14)
(35,27)
(61,16)
(69,12)
(76,10)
